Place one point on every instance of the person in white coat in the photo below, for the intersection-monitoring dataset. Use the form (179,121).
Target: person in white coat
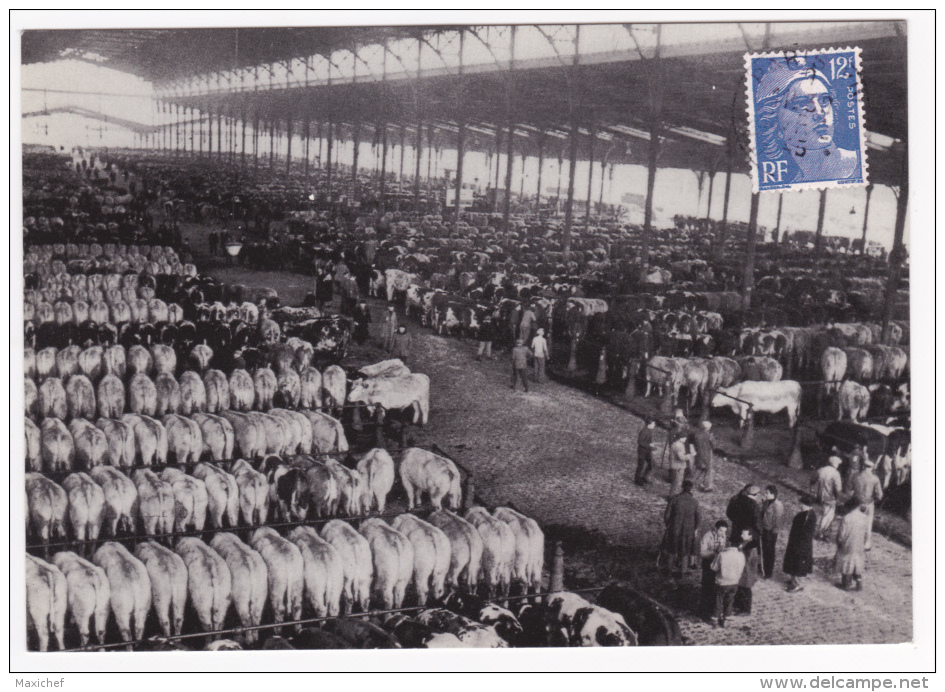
(540,351)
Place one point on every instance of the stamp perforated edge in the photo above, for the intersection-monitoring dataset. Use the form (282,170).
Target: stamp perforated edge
(753,154)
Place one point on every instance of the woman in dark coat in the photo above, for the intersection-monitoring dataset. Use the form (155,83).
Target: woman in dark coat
(324,287)
(799,554)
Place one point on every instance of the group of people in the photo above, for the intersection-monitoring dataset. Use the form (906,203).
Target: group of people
(741,548)
(537,352)
(217,242)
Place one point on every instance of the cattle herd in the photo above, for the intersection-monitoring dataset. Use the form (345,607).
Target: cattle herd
(188,463)
(185,475)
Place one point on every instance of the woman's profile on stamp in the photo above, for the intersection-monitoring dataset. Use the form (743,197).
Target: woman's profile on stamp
(795,107)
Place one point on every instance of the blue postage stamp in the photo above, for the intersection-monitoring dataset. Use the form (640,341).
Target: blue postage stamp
(805,118)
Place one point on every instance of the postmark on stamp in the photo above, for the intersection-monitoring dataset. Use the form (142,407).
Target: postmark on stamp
(805,118)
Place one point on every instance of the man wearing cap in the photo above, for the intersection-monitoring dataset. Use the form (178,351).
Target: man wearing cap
(851,548)
(729,566)
(827,486)
(744,511)
(540,350)
(704,441)
(867,491)
(362,318)
(520,364)
(681,520)
(799,553)
(795,112)
(645,448)
(772,515)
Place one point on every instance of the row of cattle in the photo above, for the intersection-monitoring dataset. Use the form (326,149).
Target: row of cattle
(54,260)
(334,571)
(290,489)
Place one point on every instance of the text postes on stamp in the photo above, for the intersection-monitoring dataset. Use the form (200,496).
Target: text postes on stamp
(805,116)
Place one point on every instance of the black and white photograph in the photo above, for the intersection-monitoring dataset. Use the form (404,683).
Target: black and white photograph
(465,334)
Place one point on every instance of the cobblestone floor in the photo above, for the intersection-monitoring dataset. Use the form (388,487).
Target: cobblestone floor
(564,457)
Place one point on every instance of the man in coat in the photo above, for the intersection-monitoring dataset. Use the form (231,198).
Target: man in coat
(486,336)
(799,553)
(520,356)
(704,442)
(729,566)
(851,548)
(772,516)
(681,520)
(645,449)
(744,511)
(540,350)
(362,318)
(400,344)
(867,491)
(827,486)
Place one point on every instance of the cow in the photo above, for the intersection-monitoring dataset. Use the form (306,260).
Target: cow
(142,395)
(763,397)
(223,494)
(289,387)
(218,391)
(80,396)
(130,589)
(88,595)
(46,363)
(31,399)
(254,492)
(168,395)
(121,496)
(91,443)
(139,360)
(111,397)
(310,388)
(53,402)
(184,439)
(377,471)
(398,281)
(412,634)
(582,624)
(114,361)
(760,369)
(286,573)
(249,579)
(328,435)
(833,364)
(190,499)
(249,435)
(209,583)
(242,391)
(334,388)
(265,386)
(465,549)
(91,362)
(578,314)
(193,394)
(218,435)
(46,504)
(354,552)
(155,502)
(276,432)
(498,552)
(505,624)
(288,490)
(652,623)
(392,556)
(34,453)
(168,575)
(859,365)
(395,393)
(422,472)
(529,556)
(150,439)
(470,634)
(431,556)
(321,485)
(86,506)
(67,362)
(323,571)
(200,357)
(46,602)
(665,374)
(853,400)
(57,447)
